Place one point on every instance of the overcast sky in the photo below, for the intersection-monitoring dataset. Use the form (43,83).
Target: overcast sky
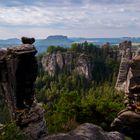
(74,18)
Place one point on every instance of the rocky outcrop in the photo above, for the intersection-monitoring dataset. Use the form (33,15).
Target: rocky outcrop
(126,53)
(49,64)
(18,71)
(70,61)
(128,120)
(32,122)
(84,66)
(26,40)
(1,127)
(87,131)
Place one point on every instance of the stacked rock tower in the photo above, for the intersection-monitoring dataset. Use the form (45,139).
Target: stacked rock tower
(18,71)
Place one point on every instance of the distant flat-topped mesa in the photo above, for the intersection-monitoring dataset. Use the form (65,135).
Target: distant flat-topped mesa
(18,71)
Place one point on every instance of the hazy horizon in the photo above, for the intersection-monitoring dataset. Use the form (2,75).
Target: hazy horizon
(73,37)
(73,18)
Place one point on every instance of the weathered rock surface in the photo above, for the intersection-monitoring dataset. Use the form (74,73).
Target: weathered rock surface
(84,66)
(87,131)
(34,120)
(1,127)
(126,53)
(18,71)
(79,63)
(26,40)
(128,122)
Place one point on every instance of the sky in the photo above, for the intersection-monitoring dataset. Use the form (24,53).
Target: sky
(74,18)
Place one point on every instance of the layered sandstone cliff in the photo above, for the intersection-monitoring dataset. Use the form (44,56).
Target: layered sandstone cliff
(71,61)
(126,54)
(18,71)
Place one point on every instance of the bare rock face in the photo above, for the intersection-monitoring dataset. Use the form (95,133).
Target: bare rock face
(35,122)
(87,131)
(123,46)
(79,63)
(1,127)
(126,54)
(128,120)
(26,40)
(53,63)
(59,60)
(18,71)
(84,66)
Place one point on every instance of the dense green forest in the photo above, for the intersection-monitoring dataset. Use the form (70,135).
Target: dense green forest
(70,99)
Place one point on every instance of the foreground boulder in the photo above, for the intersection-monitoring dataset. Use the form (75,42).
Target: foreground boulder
(128,122)
(87,131)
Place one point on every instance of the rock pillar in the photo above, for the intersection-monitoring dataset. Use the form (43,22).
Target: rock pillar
(18,71)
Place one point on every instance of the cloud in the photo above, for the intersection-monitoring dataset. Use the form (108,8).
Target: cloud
(52,3)
(108,2)
(70,16)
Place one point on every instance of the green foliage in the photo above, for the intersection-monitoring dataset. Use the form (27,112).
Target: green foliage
(68,102)
(85,48)
(128,138)
(70,99)
(4,113)
(98,106)
(52,49)
(11,132)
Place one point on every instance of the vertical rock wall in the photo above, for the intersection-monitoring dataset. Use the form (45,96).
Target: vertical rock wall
(70,61)
(128,120)
(126,53)
(18,71)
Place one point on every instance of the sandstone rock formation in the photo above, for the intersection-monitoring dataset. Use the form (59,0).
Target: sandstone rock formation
(84,66)
(87,131)
(79,63)
(26,40)
(126,53)
(128,120)
(18,71)
(1,127)
(32,123)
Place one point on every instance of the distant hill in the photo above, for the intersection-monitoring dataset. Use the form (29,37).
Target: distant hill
(64,41)
(101,41)
(57,40)
(41,44)
(9,42)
